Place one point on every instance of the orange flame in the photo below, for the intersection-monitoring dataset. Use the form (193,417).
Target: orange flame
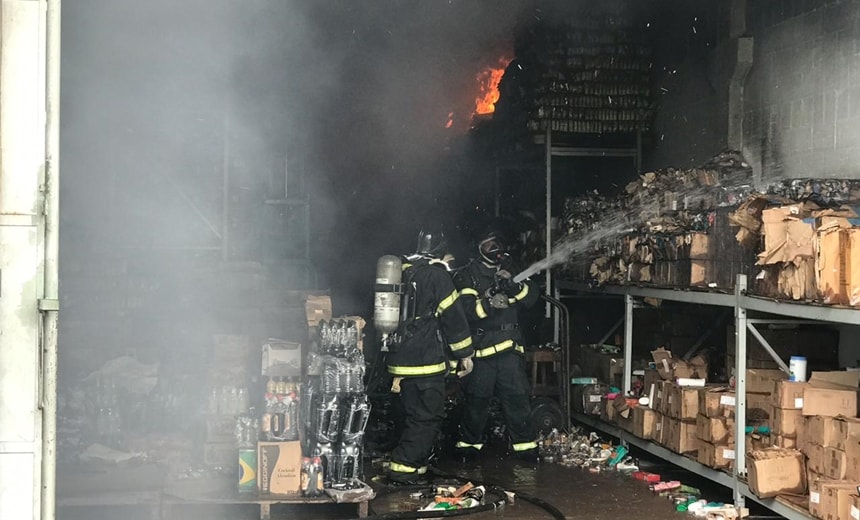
(489,79)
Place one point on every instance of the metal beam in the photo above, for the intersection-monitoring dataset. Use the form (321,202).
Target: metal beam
(764,343)
(740,391)
(611,331)
(628,343)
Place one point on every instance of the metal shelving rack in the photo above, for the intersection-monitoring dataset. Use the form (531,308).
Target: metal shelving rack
(742,303)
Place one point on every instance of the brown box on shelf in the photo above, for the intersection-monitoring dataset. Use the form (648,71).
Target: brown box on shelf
(716,401)
(838,266)
(816,458)
(684,403)
(716,430)
(607,368)
(816,430)
(788,395)
(644,422)
(681,436)
(671,368)
(831,500)
(836,463)
(786,422)
(852,457)
(317,308)
(831,394)
(776,471)
(279,467)
(763,381)
(716,456)
(841,429)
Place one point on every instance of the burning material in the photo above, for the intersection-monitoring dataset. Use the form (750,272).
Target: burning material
(488,80)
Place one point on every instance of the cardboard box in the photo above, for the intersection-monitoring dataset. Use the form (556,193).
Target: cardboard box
(816,430)
(852,457)
(715,430)
(716,401)
(788,395)
(671,368)
(776,471)
(317,308)
(837,266)
(607,368)
(786,234)
(786,422)
(716,456)
(279,468)
(831,394)
(831,500)
(282,359)
(763,381)
(644,422)
(660,426)
(836,463)
(684,403)
(682,436)
(841,429)
(816,458)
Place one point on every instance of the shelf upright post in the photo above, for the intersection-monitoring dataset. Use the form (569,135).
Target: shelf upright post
(740,388)
(628,343)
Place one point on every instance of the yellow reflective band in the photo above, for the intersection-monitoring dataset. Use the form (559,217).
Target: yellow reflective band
(460,345)
(406,266)
(425,370)
(422,470)
(522,294)
(479,309)
(447,302)
(461,444)
(495,349)
(469,292)
(402,468)
(520,349)
(523,446)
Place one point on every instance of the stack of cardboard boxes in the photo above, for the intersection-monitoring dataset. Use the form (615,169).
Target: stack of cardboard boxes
(715,427)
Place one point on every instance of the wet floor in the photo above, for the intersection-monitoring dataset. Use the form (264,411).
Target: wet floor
(573,492)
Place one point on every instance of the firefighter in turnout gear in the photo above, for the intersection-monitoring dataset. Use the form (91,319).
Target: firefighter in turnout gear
(433,333)
(493,301)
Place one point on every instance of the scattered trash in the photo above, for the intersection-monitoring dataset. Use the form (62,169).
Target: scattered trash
(588,451)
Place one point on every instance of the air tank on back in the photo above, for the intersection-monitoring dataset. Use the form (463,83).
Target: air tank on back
(386,299)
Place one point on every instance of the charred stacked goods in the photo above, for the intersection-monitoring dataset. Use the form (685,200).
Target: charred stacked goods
(700,227)
(587,74)
(670,227)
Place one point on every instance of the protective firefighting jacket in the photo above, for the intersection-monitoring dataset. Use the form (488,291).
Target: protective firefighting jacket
(436,329)
(493,330)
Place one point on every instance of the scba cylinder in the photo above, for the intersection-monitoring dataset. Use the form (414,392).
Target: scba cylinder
(386,299)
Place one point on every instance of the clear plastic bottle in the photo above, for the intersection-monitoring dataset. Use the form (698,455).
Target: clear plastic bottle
(244,399)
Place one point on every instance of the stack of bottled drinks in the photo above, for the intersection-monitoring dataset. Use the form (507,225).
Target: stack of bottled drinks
(336,402)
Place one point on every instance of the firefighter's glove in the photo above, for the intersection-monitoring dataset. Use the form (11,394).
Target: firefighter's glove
(466,366)
(507,284)
(499,301)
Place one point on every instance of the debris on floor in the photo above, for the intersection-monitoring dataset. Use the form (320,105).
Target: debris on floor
(588,451)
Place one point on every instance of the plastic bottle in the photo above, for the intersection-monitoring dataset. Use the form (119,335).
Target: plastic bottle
(305,481)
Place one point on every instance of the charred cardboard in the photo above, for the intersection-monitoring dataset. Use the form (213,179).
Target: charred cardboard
(681,436)
(645,422)
(817,430)
(776,471)
(716,430)
(831,394)
(786,422)
(671,368)
(788,234)
(684,403)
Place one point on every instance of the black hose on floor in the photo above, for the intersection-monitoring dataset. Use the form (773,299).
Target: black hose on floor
(447,513)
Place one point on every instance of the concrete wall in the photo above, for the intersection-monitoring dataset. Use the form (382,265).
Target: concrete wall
(801,99)
(802,110)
